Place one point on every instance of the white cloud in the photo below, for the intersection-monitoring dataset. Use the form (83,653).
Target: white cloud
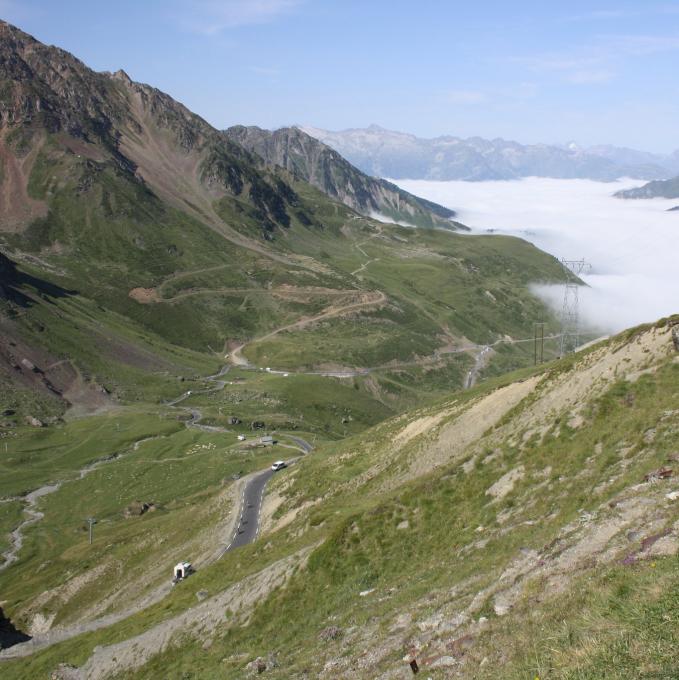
(590,76)
(612,14)
(466,96)
(213,16)
(631,244)
(599,61)
(264,70)
(639,45)
(605,15)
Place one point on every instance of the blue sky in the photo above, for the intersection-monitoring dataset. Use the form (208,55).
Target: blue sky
(550,71)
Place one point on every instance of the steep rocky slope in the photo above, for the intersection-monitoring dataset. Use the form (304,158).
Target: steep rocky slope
(321,166)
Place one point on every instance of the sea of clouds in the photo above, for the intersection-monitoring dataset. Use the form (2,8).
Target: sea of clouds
(632,245)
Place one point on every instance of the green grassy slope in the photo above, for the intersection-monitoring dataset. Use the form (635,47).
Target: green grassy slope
(510,523)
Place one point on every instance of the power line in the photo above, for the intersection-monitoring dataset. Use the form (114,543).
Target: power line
(570,317)
(538,342)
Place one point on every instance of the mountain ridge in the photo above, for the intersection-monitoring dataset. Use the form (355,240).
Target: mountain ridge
(397,155)
(324,168)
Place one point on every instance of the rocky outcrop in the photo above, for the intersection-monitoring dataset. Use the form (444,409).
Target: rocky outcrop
(312,161)
(105,118)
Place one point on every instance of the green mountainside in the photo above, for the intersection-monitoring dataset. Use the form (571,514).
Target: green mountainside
(176,242)
(316,163)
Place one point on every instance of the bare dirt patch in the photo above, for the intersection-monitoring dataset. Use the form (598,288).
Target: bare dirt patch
(144,296)
(17,208)
(506,483)
(469,426)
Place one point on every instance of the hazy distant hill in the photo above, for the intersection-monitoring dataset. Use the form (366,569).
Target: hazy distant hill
(314,162)
(668,188)
(386,153)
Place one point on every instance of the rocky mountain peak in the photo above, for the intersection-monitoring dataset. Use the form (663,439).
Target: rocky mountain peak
(122,77)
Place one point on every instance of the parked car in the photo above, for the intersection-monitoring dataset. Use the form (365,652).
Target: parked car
(279,465)
(241,437)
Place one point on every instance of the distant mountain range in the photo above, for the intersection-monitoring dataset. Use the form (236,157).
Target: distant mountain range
(397,155)
(314,162)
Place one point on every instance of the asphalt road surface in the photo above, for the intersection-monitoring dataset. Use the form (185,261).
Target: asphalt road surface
(251,503)
(247,528)
(302,443)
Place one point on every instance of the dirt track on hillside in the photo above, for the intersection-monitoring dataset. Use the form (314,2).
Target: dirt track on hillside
(369,299)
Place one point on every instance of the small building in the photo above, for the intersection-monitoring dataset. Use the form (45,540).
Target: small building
(267,440)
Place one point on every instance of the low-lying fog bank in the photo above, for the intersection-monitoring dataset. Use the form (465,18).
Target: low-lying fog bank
(632,245)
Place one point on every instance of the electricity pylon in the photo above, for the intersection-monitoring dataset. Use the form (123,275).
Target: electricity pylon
(570,319)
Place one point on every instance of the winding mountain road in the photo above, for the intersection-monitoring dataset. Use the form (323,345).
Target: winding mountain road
(247,527)
(370,299)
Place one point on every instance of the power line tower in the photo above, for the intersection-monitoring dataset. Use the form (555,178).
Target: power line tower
(570,320)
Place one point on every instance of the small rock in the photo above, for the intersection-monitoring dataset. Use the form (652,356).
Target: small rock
(501,609)
(405,524)
(672,495)
(664,546)
(330,633)
(459,647)
(444,661)
(363,593)
(34,422)
(201,595)
(65,671)
(660,473)
(431,623)
(256,666)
